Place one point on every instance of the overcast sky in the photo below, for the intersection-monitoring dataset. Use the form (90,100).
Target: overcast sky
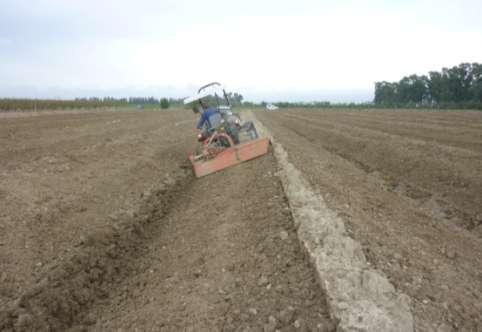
(266,50)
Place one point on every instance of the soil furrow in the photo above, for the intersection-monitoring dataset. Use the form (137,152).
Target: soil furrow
(226,258)
(459,137)
(95,265)
(444,119)
(454,178)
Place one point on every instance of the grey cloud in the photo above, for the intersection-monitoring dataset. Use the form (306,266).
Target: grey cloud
(44,22)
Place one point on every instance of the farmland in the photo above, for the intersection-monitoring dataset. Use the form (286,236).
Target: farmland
(408,185)
(104,227)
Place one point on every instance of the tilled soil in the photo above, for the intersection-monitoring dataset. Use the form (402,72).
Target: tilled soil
(225,258)
(62,176)
(409,187)
(105,228)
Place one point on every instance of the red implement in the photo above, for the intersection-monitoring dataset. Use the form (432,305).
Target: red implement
(230,157)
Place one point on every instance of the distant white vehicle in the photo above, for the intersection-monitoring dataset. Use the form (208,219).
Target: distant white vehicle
(271,107)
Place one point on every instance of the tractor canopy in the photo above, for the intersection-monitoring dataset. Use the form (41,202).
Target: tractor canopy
(213,94)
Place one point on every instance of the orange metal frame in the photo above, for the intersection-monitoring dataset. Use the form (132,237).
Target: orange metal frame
(230,157)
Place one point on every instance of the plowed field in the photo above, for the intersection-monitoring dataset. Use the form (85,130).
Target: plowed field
(408,185)
(103,227)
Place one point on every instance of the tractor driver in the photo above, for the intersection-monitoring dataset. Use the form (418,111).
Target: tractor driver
(209,116)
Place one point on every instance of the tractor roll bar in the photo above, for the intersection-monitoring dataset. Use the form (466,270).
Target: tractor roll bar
(218,84)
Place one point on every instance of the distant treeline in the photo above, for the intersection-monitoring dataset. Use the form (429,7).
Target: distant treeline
(456,87)
(13,104)
(296,104)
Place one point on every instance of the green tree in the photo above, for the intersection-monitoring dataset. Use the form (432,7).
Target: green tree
(164,103)
(436,87)
(412,89)
(459,86)
(476,87)
(386,93)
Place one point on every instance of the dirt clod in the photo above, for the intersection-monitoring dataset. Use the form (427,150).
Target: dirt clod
(271,325)
(263,281)
(287,315)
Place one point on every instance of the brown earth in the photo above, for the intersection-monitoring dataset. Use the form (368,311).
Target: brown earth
(103,227)
(408,185)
